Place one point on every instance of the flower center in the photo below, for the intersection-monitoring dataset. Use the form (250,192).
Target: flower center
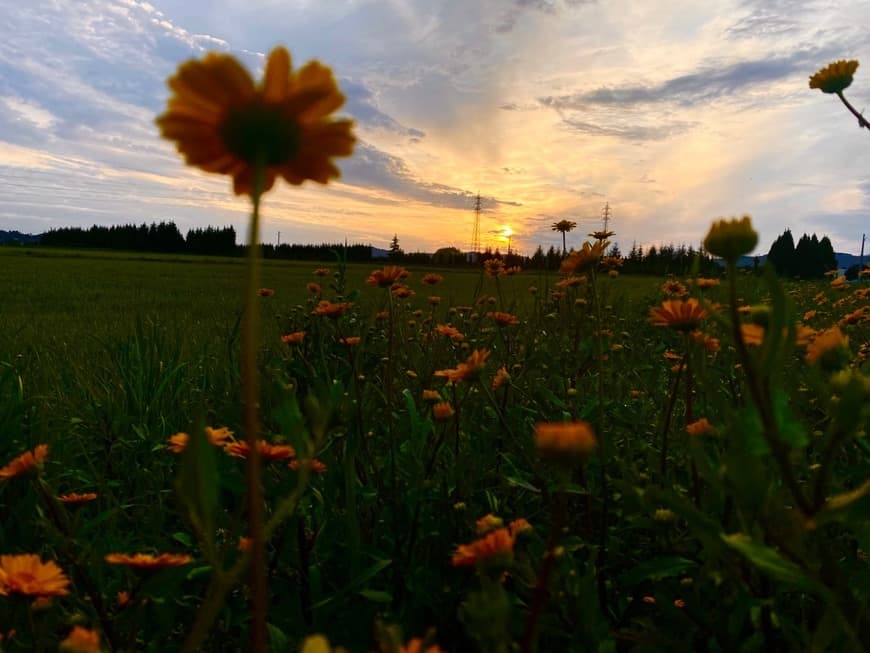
(260,132)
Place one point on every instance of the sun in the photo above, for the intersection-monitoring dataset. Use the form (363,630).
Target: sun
(506,232)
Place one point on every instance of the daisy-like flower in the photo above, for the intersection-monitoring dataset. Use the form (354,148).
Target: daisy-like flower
(431,396)
(314,288)
(74,498)
(703,283)
(27,575)
(432,279)
(443,411)
(700,427)
(148,562)
(332,310)
(518,526)
(487,523)
(268,452)
(315,466)
(449,331)
(584,258)
(387,276)
(468,370)
(496,547)
(830,349)
(501,377)
(350,341)
(601,235)
(293,338)
(493,267)
(674,289)
(731,239)
(835,77)
(503,319)
(400,291)
(512,271)
(222,122)
(322,272)
(561,440)
(24,463)
(434,300)
(265,292)
(81,640)
(678,314)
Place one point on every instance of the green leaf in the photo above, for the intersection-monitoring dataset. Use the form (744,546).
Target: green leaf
(197,485)
(769,562)
(278,641)
(790,427)
(656,569)
(376,596)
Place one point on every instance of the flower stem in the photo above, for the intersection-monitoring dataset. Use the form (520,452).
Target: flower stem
(253,482)
(862,121)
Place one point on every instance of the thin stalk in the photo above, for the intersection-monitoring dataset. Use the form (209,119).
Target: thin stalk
(253,481)
(862,121)
(667,426)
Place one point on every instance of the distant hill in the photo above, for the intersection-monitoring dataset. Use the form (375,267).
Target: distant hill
(17,238)
(843,260)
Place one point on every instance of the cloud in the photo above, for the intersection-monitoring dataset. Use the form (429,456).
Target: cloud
(361,104)
(373,168)
(631,132)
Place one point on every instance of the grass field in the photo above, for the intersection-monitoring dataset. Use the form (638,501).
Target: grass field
(745,533)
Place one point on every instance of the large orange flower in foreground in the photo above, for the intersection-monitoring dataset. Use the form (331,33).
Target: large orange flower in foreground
(26,574)
(678,314)
(222,122)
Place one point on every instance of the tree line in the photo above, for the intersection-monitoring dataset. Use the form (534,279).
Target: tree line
(809,259)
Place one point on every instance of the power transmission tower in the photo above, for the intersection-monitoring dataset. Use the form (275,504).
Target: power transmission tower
(605,215)
(474,250)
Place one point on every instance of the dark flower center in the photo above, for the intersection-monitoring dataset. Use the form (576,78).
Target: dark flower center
(261,132)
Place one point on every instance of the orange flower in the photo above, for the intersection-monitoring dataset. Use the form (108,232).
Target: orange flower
(709,343)
(434,300)
(571,282)
(123,599)
(178,442)
(432,279)
(314,288)
(500,378)
(265,292)
(496,546)
(73,498)
(601,235)
(27,575)
(322,272)
(829,348)
(443,411)
(488,523)
(503,319)
(468,370)
(350,341)
(417,645)
(583,259)
(853,318)
(218,437)
(809,315)
(493,267)
(245,544)
(511,271)
(700,427)
(401,292)
(449,331)
(314,465)
(561,439)
(674,288)
(293,338)
(222,122)
(678,314)
(387,276)
(702,283)
(752,334)
(25,462)
(148,562)
(518,526)
(431,395)
(268,452)
(331,310)
(81,640)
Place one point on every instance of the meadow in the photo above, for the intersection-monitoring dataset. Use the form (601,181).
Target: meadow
(530,462)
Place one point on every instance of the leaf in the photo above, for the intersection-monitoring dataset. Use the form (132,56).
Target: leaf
(656,569)
(769,562)
(365,576)
(376,596)
(790,427)
(197,485)
(278,640)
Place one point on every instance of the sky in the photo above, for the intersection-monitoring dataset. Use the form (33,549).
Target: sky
(675,113)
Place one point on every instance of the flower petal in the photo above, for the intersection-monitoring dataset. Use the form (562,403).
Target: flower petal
(276,78)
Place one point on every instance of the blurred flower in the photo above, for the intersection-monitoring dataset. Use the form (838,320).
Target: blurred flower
(148,562)
(518,526)
(331,310)
(503,319)
(674,288)
(443,411)
(432,279)
(702,283)
(265,292)
(434,300)
(81,640)
(583,259)
(322,272)
(830,349)
(449,331)
(731,239)
(500,378)
(511,271)
(493,267)
(400,291)
(431,395)
(268,452)
(25,462)
(809,315)
(678,314)
(25,574)
(74,498)
(468,370)
(314,288)
(601,235)
(387,276)
(222,122)
(752,334)
(178,442)
(835,77)
(219,436)
(571,282)
(487,523)
(314,466)
(496,547)
(293,338)
(564,439)
(700,427)
(350,341)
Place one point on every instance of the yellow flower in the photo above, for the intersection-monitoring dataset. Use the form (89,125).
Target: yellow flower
(584,258)
(222,122)
(27,575)
(835,77)
(830,349)
(487,523)
(81,640)
(731,239)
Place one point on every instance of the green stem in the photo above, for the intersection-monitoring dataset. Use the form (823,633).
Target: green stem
(253,481)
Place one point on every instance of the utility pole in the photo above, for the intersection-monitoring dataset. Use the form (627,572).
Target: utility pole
(475,232)
(861,258)
(605,215)
(279,239)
